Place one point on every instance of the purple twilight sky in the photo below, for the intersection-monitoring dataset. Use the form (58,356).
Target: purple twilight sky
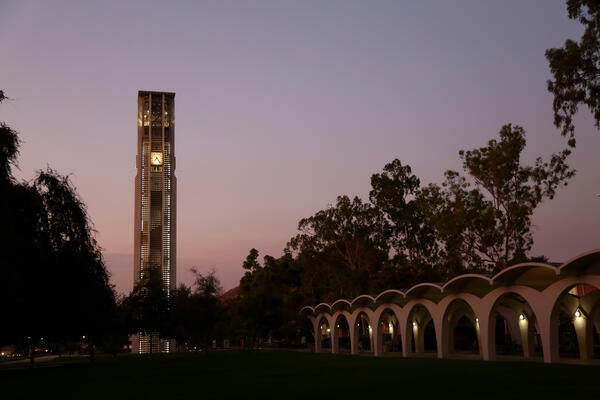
(281,106)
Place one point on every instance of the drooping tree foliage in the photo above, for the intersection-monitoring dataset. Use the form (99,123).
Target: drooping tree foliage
(9,149)
(74,252)
(23,272)
(55,282)
(576,69)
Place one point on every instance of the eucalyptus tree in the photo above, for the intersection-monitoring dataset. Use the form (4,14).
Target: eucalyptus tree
(408,234)
(485,222)
(461,217)
(344,246)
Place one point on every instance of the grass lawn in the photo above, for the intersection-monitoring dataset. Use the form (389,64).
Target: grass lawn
(295,375)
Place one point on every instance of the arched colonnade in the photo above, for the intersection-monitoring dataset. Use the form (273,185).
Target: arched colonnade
(530,310)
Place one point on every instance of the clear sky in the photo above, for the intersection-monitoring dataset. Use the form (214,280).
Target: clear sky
(281,106)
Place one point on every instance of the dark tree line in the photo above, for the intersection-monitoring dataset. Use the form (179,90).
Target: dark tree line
(189,315)
(477,220)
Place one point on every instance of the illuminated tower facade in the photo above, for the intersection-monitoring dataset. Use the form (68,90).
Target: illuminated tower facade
(155,198)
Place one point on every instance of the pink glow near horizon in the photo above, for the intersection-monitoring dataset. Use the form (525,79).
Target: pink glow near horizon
(282,106)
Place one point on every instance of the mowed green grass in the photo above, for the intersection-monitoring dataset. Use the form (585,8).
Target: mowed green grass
(296,375)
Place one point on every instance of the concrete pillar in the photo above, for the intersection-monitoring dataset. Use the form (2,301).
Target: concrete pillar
(317,332)
(334,339)
(484,338)
(419,336)
(353,337)
(409,337)
(371,338)
(584,333)
(526,335)
(442,336)
(376,339)
(549,335)
(491,337)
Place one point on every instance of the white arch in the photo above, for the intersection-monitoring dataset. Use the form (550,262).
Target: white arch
(540,285)
(377,334)
(532,298)
(414,326)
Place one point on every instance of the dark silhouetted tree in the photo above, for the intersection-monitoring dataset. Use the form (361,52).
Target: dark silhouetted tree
(55,281)
(488,226)
(148,306)
(576,69)
(251,262)
(205,297)
(182,316)
(196,311)
(269,300)
(347,244)
(75,257)
(410,238)
(9,150)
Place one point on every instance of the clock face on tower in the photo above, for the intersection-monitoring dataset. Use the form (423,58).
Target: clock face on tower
(156,158)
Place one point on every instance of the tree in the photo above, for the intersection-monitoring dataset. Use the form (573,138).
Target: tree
(207,290)
(55,281)
(196,310)
(182,316)
(489,225)
(26,276)
(576,69)
(410,238)
(251,263)
(461,218)
(347,242)
(148,306)
(9,150)
(82,293)
(261,298)
(69,234)
(19,209)
(269,298)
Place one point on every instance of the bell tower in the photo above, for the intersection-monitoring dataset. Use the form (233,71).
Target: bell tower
(155,194)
